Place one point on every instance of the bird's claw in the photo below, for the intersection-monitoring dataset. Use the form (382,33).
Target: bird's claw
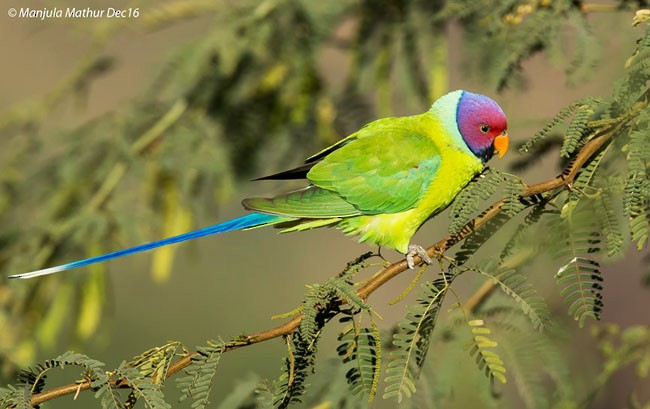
(415,250)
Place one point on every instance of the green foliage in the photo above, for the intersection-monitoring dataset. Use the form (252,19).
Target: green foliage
(513,191)
(32,381)
(318,307)
(330,388)
(517,30)
(320,297)
(514,285)
(579,273)
(637,185)
(581,111)
(479,347)
(522,240)
(290,386)
(200,374)
(577,131)
(142,387)
(609,215)
(92,369)
(361,348)
(155,362)
(11,396)
(583,185)
(523,350)
(466,204)
(109,397)
(582,279)
(412,340)
(587,50)
(474,242)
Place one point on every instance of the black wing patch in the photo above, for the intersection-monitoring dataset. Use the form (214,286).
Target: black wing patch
(301,171)
(297,173)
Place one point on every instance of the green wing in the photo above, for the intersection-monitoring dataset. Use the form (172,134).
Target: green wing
(311,202)
(385,169)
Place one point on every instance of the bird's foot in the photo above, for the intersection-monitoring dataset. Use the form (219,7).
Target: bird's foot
(415,250)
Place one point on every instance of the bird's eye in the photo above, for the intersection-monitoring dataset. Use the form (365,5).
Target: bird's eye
(484,128)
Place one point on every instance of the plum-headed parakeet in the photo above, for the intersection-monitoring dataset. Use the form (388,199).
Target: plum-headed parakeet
(381,183)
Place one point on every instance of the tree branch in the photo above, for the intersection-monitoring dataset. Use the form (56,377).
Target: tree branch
(564,180)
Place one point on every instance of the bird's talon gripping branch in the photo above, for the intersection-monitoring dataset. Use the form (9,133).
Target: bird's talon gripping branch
(415,250)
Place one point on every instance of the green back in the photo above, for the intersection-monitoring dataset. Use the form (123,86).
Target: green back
(385,169)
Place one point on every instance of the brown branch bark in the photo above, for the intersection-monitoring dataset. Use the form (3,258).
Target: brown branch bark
(564,180)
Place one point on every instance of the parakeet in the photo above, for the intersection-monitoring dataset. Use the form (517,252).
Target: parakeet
(380,183)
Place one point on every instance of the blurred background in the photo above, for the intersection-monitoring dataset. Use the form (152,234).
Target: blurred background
(119,131)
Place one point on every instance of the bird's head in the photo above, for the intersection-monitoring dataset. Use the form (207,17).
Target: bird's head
(482,124)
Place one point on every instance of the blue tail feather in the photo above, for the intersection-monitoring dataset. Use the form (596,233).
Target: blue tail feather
(244,222)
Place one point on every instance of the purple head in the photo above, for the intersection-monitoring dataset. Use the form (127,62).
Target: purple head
(482,124)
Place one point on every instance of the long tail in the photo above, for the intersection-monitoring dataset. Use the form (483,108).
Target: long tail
(240,223)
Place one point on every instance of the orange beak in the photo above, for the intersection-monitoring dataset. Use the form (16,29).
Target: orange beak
(501,144)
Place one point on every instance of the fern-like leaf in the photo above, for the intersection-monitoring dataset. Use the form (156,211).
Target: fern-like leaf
(155,362)
(639,63)
(466,203)
(480,347)
(472,243)
(523,350)
(109,397)
(6,399)
(583,284)
(20,397)
(290,387)
(346,291)
(578,130)
(522,235)
(200,373)
(362,349)
(93,369)
(142,388)
(412,340)
(607,214)
(559,118)
(636,199)
(320,296)
(317,309)
(356,265)
(583,183)
(576,243)
(515,285)
(32,381)
(640,229)
(513,190)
